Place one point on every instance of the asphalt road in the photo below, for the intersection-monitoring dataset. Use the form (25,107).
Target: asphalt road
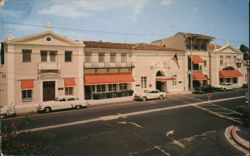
(159,127)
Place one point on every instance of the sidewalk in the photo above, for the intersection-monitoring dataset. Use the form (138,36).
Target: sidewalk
(239,137)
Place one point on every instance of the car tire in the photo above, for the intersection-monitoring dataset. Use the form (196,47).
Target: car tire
(47,109)
(78,107)
(161,97)
(144,98)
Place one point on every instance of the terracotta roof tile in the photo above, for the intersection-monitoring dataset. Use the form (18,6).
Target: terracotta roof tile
(144,46)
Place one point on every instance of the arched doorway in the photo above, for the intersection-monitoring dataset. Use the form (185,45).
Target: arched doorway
(160,85)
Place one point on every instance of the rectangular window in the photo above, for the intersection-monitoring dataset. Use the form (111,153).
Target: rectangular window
(228,59)
(143,82)
(26,95)
(174,83)
(100,88)
(43,56)
(68,56)
(69,90)
(123,57)
(112,87)
(205,63)
(26,55)
(221,60)
(123,86)
(235,59)
(101,57)
(112,57)
(52,56)
(88,57)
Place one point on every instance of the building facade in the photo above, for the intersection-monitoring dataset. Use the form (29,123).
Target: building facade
(202,62)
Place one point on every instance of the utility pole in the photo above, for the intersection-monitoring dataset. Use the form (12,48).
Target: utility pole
(191,74)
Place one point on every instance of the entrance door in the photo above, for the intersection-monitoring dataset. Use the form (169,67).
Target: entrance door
(88,92)
(161,86)
(48,90)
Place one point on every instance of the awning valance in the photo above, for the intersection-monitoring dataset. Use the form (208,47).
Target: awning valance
(107,78)
(69,82)
(198,75)
(165,78)
(196,59)
(27,84)
(229,73)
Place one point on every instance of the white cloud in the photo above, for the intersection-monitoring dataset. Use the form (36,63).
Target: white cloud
(166,2)
(82,8)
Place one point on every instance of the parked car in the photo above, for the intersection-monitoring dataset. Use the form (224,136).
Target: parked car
(62,103)
(7,112)
(244,111)
(204,89)
(228,86)
(150,94)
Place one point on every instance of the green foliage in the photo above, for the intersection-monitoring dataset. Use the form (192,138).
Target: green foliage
(15,142)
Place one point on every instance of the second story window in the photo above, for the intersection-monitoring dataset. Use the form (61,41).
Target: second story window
(112,57)
(101,57)
(48,56)
(44,56)
(123,57)
(221,60)
(88,57)
(143,82)
(68,56)
(26,55)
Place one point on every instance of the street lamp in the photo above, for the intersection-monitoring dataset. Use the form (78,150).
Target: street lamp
(246,63)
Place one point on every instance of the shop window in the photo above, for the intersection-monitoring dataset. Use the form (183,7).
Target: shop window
(100,88)
(69,90)
(26,95)
(112,87)
(123,86)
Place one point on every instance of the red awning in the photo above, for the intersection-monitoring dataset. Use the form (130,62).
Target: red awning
(165,78)
(107,78)
(69,82)
(198,75)
(229,73)
(27,84)
(196,59)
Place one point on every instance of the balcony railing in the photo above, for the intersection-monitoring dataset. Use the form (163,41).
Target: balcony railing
(109,65)
(48,66)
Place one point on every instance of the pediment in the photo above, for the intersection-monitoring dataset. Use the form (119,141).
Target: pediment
(45,38)
(228,49)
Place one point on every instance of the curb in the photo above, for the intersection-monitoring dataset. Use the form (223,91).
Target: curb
(236,140)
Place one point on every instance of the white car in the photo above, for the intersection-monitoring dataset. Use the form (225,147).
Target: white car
(150,94)
(7,112)
(62,103)
(228,86)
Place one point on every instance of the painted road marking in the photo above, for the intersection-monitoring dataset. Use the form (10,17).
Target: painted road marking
(176,142)
(127,115)
(171,132)
(133,123)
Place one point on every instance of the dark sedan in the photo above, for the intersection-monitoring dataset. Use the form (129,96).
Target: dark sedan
(204,89)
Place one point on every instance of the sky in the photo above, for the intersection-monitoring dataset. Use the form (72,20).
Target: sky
(133,21)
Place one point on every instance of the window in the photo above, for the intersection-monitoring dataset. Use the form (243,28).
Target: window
(123,57)
(26,55)
(228,59)
(174,83)
(88,57)
(112,57)
(100,88)
(68,56)
(26,95)
(101,57)
(112,87)
(52,56)
(205,63)
(221,60)
(44,56)
(143,82)
(235,59)
(123,86)
(69,90)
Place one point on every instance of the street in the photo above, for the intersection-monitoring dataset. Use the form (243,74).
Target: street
(177,125)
